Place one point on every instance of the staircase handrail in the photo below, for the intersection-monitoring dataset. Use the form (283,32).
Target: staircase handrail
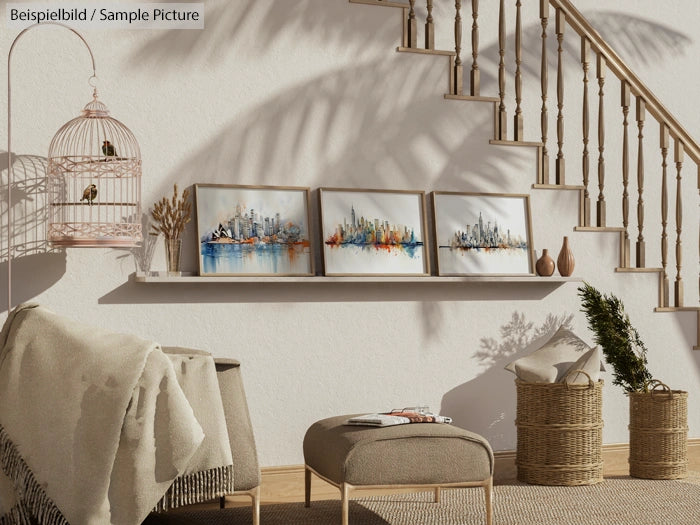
(579,24)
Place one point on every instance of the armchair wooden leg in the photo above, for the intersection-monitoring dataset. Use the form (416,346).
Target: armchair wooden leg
(489,504)
(255,496)
(222,502)
(437,495)
(307,486)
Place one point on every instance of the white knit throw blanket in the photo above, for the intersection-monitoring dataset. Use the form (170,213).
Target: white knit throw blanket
(94,426)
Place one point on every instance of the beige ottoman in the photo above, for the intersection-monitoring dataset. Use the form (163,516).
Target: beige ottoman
(417,455)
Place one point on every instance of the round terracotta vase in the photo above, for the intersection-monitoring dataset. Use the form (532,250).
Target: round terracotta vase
(545,264)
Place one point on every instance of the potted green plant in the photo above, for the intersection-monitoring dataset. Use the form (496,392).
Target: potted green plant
(658,415)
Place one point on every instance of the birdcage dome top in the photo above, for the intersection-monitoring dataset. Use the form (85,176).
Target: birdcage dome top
(95,136)
(95,108)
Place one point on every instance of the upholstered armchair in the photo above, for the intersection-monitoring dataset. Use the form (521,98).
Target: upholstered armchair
(246,472)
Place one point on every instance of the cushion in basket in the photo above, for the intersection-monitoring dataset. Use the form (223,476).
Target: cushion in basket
(589,363)
(552,361)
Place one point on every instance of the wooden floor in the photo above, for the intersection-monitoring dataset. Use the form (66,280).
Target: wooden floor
(286,484)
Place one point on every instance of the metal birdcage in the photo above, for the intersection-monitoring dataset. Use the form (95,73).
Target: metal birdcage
(94,182)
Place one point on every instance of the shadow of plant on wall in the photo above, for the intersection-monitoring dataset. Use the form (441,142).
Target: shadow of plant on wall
(486,404)
(254,25)
(327,125)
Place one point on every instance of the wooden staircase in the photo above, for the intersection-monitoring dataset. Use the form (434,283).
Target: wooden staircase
(674,139)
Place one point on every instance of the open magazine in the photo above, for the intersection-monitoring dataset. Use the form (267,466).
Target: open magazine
(399,417)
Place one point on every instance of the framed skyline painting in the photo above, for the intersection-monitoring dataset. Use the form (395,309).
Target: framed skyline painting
(253,230)
(483,234)
(373,232)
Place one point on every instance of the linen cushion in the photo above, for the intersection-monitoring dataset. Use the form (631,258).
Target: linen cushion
(589,363)
(551,362)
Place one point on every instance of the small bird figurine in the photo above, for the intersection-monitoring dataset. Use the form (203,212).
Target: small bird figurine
(89,194)
(108,149)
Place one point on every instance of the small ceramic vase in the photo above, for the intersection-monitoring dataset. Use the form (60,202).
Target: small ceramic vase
(545,264)
(565,261)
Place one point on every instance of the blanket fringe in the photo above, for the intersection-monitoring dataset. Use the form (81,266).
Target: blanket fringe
(34,505)
(197,487)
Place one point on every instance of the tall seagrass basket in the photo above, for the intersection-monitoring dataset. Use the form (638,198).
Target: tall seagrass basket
(560,432)
(659,433)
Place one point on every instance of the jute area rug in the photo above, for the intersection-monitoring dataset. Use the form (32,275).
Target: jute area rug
(616,501)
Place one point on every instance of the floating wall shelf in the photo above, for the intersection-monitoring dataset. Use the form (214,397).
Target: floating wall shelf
(187,278)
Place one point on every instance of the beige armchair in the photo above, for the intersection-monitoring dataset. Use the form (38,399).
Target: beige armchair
(246,471)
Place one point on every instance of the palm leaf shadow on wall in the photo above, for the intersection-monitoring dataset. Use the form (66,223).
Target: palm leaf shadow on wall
(486,404)
(338,128)
(358,138)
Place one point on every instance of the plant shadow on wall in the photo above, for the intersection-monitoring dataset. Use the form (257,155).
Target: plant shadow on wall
(35,265)
(253,26)
(348,135)
(486,405)
(338,128)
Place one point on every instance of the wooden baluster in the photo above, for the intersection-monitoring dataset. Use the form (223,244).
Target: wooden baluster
(458,74)
(678,285)
(412,25)
(475,73)
(641,244)
(625,174)
(544,78)
(585,50)
(502,116)
(518,117)
(429,28)
(560,24)
(664,140)
(600,205)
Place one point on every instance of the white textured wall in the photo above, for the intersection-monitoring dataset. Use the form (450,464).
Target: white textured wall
(311,93)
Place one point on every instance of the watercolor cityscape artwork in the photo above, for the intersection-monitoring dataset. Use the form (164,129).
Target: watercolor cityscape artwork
(482,234)
(253,230)
(373,232)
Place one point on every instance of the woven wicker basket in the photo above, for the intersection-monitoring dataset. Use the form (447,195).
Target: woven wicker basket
(560,433)
(659,433)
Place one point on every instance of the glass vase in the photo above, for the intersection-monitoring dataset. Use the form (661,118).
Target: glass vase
(172,255)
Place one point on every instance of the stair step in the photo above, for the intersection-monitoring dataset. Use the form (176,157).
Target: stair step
(449,96)
(638,270)
(557,187)
(380,3)
(598,229)
(441,52)
(515,143)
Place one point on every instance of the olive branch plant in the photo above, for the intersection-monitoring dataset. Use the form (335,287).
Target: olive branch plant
(171,215)
(619,340)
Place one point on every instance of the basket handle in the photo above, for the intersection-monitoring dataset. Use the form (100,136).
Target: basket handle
(655,384)
(568,374)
